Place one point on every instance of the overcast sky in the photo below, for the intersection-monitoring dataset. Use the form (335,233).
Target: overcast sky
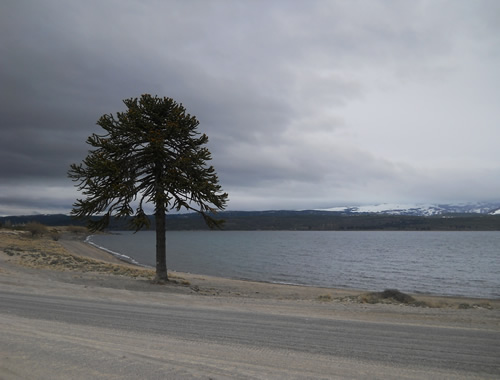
(307,104)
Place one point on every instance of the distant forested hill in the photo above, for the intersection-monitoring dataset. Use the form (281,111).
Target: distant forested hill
(298,220)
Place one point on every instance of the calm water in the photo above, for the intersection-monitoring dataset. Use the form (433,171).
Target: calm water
(443,263)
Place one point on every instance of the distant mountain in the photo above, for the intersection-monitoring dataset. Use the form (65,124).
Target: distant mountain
(47,219)
(410,217)
(484,208)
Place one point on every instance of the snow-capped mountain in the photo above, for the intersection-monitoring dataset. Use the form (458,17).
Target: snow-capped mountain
(421,209)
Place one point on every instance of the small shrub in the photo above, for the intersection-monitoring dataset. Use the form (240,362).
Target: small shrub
(12,251)
(325,298)
(36,229)
(398,296)
(391,296)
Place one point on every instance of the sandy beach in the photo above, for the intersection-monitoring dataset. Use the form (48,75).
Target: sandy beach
(70,267)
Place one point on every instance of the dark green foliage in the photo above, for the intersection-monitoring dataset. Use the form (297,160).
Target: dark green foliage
(152,153)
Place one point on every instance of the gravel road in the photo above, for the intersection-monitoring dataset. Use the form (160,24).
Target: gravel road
(82,339)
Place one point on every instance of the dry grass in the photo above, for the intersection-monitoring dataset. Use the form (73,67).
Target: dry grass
(325,298)
(394,296)
(390,296)
(43,253)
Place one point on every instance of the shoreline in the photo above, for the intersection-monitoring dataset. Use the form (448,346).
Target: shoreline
(110,265)
(127,260)
(124,258)
(308,290)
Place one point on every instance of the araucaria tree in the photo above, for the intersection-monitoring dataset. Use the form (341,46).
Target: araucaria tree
(152,153)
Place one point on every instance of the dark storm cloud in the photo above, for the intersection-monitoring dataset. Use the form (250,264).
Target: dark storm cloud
(305,103)
(57,79)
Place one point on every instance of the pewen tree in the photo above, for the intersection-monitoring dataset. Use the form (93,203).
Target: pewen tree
(152,153)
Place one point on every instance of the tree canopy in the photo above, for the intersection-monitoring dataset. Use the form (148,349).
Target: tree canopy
(151,153)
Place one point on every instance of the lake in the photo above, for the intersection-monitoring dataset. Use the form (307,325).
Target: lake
(440,263)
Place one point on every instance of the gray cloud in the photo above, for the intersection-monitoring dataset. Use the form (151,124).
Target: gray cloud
(306,104)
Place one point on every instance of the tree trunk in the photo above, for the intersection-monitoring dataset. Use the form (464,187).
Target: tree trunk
(161,245)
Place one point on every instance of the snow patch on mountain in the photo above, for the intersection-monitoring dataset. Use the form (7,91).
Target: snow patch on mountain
(419,209)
